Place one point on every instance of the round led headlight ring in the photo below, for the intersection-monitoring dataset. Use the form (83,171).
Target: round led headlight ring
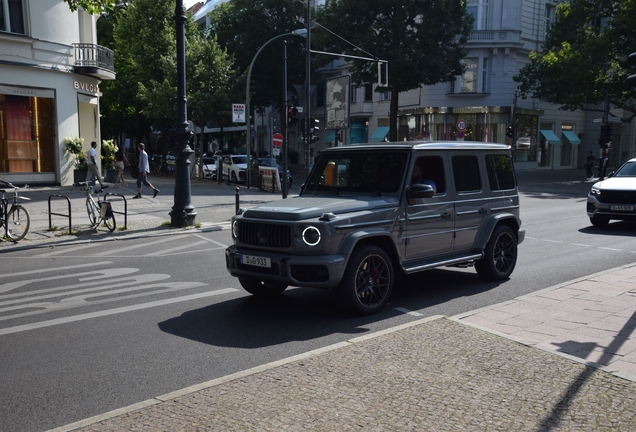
(235,229)
(311,236)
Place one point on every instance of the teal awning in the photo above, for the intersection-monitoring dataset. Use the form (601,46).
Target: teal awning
(550,137)
(380,134)
(330,136)
(571,136)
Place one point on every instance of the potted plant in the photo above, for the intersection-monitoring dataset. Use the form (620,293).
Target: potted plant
(74,147)
(108,160)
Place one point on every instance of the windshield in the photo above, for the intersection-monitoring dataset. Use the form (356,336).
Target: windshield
(239,159)
(358,171)
(627,170)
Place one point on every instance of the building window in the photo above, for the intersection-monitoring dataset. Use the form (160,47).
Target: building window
(484,76)
(474,79)
(368,92)
(320,96)
(11,16)
(385,95)
(479,10)
(353,97)
(549,19)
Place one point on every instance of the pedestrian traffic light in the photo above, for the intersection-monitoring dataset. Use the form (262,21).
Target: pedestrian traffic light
(292,115)
(510,132)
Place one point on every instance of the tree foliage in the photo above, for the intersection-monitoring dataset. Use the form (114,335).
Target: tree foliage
(422,41)
(91,6)
(243,26)
(584,57)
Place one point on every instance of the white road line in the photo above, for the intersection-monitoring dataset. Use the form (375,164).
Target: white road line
(176,248)
(582,245)
(48,270)
(210,240)
(61,250)
(119,250)
(65,320)
(551,241)
(408,312)
(610,249)
(195,251)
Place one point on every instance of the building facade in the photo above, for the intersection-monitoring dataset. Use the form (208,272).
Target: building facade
(50,71)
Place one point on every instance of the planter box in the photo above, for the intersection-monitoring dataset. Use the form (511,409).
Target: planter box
(79,176)
(111,176)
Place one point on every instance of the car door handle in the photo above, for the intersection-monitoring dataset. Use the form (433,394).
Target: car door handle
(483,211)
(446,216)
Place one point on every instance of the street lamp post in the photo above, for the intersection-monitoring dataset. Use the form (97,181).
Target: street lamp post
(183,211)
(307,92)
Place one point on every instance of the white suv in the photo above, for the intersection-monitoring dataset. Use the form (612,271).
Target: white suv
(234,167)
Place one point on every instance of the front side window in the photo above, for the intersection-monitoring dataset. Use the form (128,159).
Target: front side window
(355,172)
(466,174)
(11,16)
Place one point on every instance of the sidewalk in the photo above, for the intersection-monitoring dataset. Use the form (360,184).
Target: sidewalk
(563,358)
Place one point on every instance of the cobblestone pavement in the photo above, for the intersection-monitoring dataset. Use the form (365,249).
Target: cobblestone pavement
(431,375)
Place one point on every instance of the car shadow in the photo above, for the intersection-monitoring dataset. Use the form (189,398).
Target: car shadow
(303,314)
(615,228)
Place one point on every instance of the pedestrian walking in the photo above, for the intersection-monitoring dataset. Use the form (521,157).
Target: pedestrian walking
(590,165)
(91,162)
(144,169)
(120,160)
(602,165)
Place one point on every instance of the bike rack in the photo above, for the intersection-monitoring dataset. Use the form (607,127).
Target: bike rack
(70,227)
(125,212)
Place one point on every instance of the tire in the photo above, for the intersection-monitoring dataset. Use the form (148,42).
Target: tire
(18,223)
(500,255)
(367,283)
(93,213)
(262,288)
(599,221)
(110,223)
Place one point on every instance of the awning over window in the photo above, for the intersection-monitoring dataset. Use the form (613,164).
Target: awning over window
(571,136)
(330,136)
(380,133)
(550,137)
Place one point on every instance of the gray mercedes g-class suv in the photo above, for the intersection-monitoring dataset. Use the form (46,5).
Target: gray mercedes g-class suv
(370,213)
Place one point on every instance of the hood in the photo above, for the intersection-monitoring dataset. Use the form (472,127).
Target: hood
(299,208)
(617,183)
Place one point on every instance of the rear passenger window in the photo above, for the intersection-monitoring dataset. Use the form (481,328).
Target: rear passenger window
(500,173)
(466,174)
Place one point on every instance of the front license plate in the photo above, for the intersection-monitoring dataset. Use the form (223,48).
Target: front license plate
(256,261)
(622,207)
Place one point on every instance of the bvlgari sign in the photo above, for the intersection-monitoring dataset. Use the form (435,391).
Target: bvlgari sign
(93,88)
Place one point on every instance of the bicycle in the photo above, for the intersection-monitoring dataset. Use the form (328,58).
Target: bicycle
(15,218)
(100,211)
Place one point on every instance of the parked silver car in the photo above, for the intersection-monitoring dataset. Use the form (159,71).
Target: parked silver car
(614,197)
(371,212)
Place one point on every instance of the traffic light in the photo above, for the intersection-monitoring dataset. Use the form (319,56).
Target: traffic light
(292,115)
(606,135)
(383,74)
(313,127)
(510,132)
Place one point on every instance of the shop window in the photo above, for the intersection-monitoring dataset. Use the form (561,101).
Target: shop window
(26,134)
(479,10)
(11,16)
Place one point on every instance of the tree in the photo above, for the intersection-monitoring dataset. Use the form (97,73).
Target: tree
(422,41)
(242,26)
(91,6)
(584,57)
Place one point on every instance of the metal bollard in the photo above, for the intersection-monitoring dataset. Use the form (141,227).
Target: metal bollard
(237,201)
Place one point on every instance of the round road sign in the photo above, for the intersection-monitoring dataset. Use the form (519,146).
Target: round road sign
(277,140)
(461,125)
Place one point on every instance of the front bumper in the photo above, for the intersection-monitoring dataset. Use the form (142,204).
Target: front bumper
(595,208)
(310,271)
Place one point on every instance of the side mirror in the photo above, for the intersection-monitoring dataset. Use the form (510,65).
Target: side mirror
(611,174)
(420,191)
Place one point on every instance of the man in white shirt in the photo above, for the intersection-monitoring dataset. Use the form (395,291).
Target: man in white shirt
(144,169)
(91,162)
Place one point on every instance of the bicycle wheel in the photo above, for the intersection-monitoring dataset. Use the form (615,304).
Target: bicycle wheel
(110,223)
(18,222)
(93,212)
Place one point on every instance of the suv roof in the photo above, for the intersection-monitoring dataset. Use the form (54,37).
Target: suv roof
(421,145)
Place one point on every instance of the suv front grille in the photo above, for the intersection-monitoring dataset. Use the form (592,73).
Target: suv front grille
(264,234)
(618,197)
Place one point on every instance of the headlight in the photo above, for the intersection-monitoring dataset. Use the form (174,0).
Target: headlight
(235,229)
(311,236)
(595,192)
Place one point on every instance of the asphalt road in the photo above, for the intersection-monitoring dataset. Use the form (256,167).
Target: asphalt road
(90,328)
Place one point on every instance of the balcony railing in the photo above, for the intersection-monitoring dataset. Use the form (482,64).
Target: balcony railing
(496,37)
(94,60)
